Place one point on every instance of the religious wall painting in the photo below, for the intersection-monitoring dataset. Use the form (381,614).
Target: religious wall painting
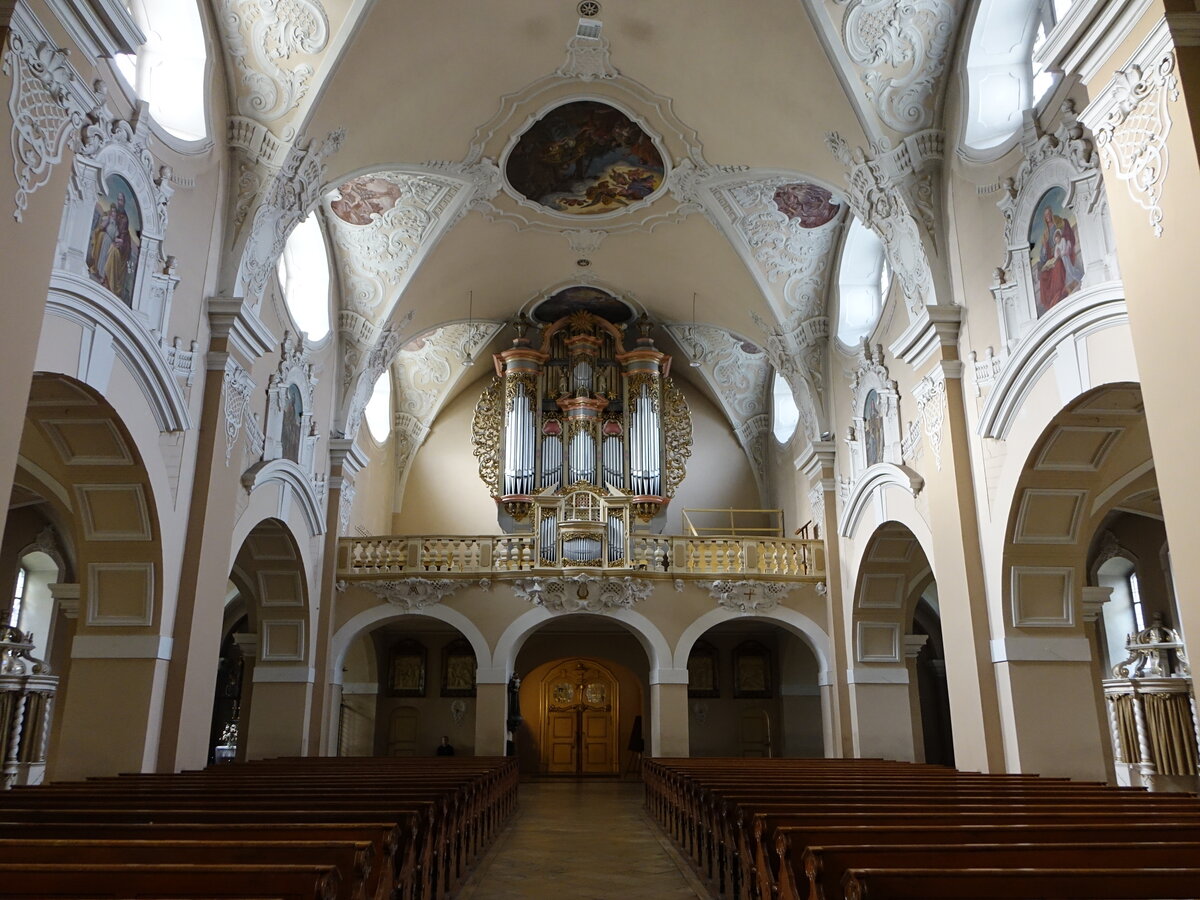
(1054,255)
(752,671)
(809,204)
(872,428)
(458,669)
(116,238)
(406,669)
(364,199)
(585,158)
(583,298)
(293,423)
(703,679)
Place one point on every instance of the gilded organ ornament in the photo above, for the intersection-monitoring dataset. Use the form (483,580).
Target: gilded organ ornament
(582,432)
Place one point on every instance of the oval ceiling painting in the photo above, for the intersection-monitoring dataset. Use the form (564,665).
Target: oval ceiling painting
(812,205)
(583,298)
(585,158)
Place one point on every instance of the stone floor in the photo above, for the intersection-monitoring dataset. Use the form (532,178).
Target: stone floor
(582,840)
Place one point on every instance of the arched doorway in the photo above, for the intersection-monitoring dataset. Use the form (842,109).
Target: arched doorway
(407,684)
(899,693)
(1086,564)
(581,721)
(753,691)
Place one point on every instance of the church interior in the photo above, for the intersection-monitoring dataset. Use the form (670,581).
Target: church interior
(583,389)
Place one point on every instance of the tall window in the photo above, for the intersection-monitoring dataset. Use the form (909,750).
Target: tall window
(785,415)
(864,279)
(168,70)
(304,277)
(378,412)
(14,612)
(1002,80)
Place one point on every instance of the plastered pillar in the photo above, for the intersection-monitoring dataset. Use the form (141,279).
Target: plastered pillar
(280,713)
(345,461)
(955,552)
(669,713)
(817,465)
(110,706)
(247,643)
(30,246)
(237,339)
(1157,232)
(491,714)
(912,647)
(882,717)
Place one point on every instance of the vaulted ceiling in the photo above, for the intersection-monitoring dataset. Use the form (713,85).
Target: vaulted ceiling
(416,107)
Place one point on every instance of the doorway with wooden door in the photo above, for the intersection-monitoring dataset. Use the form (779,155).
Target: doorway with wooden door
(580,699)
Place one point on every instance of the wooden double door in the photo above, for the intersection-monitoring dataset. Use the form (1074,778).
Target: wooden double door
(579,716)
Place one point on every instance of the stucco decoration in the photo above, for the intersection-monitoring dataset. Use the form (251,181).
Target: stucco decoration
(583,593)
(414,593)
(874,435)
(752,435)
(739,373)
(262,39)
(47,103)
(930,394)
(797,351)
(588,60)
(1131,119)
(362,365)
(748,597)
(291,432)
(1062,167)
(115,219)
(287,198)
(382,225)
(785,231)
(891,192)
(236,389)
(426,371)
(901,50)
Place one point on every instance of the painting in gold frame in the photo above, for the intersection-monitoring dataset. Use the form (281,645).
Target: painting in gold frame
(406,669)
(703,680)
(458,669)
(752,676)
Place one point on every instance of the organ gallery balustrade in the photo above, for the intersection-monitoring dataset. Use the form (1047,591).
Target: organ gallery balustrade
(676,556)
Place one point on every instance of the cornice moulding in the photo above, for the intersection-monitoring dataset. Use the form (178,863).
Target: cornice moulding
(235,321)
(936,326)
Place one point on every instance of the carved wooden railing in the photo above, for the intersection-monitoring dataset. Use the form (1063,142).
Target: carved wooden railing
(26,696)
(374,557)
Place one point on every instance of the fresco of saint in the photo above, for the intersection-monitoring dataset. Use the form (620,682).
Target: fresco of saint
(293,420)
(872,429)
(115,240)
(1054,254)
(364,199)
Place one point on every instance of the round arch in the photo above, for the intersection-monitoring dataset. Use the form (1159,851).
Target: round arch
(369,619)
(658,651)
(790,620)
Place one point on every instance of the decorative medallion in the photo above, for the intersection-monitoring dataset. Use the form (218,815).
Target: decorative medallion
(812,206)
(361,200)
(585,158)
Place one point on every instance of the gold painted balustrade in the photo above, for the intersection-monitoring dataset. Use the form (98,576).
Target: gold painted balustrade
(679,556)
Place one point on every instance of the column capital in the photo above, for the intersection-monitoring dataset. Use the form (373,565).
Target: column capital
(931,328)
(247,642)
(346,458)
(234,326)
(1094,599)
(815,458)
(913,644)
(67,594)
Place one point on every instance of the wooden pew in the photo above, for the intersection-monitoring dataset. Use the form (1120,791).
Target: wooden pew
(1022,884)
(117,880)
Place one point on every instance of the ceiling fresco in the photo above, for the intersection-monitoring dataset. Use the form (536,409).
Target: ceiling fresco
(585,158)
(583,298)
(809,204)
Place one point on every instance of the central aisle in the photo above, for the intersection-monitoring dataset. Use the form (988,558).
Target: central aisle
(583,841)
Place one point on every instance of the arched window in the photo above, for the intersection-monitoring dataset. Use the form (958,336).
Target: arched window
(304,278)
(1002,77)
(168,71)
(18,599)
(784,414)
(863,282)
(1122,613)
(378,412)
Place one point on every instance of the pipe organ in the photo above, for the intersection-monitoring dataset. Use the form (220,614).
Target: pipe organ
(578,437)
